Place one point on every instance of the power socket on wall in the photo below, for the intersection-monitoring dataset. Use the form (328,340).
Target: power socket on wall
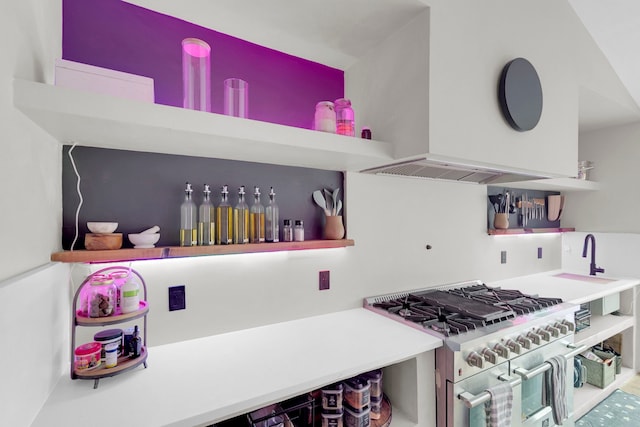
(503,257)
(177,299)
(323,280)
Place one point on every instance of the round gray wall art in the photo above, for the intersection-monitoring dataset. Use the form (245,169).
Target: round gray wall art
(520,95)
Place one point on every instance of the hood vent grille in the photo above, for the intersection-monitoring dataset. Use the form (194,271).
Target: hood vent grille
(435,169)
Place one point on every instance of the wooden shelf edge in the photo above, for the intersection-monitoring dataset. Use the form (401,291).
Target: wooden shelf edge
(84,256)
(516,231)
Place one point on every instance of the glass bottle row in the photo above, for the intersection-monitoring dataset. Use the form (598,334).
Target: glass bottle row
(223,225)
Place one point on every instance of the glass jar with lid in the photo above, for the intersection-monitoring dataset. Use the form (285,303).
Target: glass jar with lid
(345,117)
(325,117)
(98,297)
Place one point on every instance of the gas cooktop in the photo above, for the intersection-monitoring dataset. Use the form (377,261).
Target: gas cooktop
(459,308)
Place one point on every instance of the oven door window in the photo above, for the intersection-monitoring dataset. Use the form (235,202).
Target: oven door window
(532,393)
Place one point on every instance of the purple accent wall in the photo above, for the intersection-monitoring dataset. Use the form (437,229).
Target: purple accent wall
(117,35)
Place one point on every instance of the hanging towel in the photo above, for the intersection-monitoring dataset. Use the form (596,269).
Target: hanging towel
(555,388)
(498,409)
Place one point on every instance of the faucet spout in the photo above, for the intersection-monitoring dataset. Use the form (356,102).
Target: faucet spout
(593,269)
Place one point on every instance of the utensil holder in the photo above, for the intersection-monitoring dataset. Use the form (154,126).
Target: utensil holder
(501,221)
(333,228)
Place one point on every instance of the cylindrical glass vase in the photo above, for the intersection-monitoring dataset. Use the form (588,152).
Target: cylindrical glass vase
(196,74)
(236,98)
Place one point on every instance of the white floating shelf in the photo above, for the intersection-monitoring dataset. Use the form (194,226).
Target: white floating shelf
(603,327)
(555,184)
(95,120)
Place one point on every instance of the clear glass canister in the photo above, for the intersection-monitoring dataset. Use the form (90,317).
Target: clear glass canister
(325,117)
(99,296)
(345,117)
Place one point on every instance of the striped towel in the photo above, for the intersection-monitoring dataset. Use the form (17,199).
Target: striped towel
(498,409)
(555,388)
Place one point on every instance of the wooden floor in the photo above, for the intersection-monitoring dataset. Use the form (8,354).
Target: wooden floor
(632,386)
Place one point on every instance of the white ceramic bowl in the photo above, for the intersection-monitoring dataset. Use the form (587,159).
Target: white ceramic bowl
(144,240)
(102,227)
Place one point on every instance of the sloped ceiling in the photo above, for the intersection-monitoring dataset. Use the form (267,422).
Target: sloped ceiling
(614,27)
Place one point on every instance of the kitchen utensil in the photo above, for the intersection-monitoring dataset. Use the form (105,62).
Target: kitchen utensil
(335,199)
(339,208)
(553,207)
(142,241)
(328,197)
(561,206)
(151,230)
(320,201)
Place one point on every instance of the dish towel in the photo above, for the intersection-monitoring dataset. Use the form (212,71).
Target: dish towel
(555,388)
(498,409)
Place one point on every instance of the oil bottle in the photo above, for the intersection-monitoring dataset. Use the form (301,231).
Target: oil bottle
(224,219)
(241,219)
(188,220)
(257,218)
(272,229)
(206,220)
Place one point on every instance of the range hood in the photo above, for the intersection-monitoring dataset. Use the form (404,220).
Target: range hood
(455,170)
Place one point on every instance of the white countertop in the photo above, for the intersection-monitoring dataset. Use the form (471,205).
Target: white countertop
(579,289)
(200,381)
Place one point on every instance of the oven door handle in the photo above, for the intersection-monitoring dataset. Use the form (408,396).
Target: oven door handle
(528,374)
(473,400)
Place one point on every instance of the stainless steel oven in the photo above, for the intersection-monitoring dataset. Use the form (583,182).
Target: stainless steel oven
(490,335)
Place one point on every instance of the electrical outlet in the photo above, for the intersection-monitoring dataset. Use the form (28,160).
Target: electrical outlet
(503,257)
(539,253)
(323,280)
(177,300)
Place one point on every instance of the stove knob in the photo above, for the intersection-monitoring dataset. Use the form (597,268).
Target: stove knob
(564,329)
(474,359)
(525,341)
(502,350)
(534,337)
(570,325)
(489,355)
(555,332)
(544,334)
(514,346)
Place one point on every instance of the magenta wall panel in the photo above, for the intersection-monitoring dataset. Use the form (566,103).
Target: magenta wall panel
(117,35)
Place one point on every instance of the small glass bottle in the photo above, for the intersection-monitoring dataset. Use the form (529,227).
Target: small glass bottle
(257,218)
(136,343)
(366,133)
(325,117)
(188,220)
(287,231)
(224,219)
(272,214)
(206,220)
(241,219)
(298,231)
(345,123)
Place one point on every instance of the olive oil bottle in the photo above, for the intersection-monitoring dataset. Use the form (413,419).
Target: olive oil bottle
(272,228)
(188,220)
(241,219)
(257,218)
(206,220)
(224,219)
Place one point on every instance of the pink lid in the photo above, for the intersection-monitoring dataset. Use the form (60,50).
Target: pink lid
(88,348)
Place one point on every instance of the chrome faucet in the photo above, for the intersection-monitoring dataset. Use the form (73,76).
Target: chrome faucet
(592,267)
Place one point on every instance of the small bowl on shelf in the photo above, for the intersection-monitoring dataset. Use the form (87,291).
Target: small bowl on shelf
(144,240)
(102,227)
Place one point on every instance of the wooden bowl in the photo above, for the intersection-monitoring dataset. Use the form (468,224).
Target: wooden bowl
(100,242)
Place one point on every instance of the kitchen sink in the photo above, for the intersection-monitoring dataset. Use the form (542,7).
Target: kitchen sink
(584,278)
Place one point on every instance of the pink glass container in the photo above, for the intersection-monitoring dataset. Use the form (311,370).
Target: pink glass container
(196,74)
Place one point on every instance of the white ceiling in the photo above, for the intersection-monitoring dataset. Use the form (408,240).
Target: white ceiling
(615,27)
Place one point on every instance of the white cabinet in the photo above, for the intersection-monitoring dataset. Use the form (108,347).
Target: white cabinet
(602,327)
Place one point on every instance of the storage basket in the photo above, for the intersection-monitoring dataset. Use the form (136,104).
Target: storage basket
(606,355)
(599,374)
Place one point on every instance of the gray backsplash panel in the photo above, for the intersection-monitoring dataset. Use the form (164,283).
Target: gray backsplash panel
(139,190)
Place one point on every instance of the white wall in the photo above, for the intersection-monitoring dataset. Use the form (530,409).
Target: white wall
(34,300)
(615,153)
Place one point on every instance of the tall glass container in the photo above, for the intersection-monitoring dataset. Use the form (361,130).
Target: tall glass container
(188,220)
(241,219)
(272,213)
(345,118)
(196,74)
(224,219)
(257,218)
(206,220)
